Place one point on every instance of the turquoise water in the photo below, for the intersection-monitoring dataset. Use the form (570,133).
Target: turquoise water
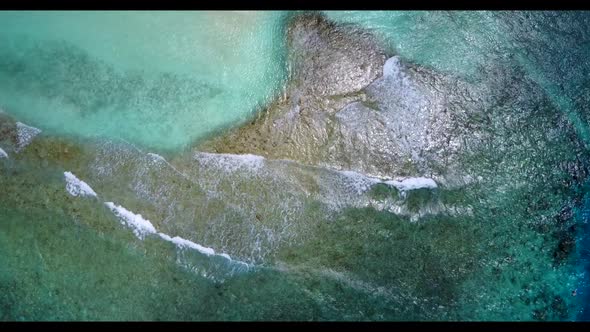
(456,42)
(306,243)
(158,79)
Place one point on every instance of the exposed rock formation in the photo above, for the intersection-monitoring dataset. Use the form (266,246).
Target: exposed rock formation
(348,107)
(331,60)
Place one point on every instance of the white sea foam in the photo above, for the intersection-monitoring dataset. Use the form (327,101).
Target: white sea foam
(77,187)
(3,154)
(363,182)
(230,162)
(25,135)
(184,243)
(156,157)
(141,227)
(413,183)
(165,237)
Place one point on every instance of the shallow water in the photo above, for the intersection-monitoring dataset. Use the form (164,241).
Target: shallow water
(158,79)
(291,241)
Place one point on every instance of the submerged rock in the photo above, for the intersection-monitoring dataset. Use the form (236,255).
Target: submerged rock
(8,134)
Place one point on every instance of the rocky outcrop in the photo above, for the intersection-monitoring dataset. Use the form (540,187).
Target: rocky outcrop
(331,60)
(349,107)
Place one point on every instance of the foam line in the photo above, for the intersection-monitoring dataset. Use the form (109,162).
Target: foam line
(141,227)
(77,187)
(413,183)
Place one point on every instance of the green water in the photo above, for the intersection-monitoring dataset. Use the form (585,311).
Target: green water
(107,88)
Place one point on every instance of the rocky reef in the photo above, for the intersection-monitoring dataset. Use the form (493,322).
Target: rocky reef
(411,193)
(352,105)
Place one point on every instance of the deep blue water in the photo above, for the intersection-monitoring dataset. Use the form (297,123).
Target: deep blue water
(584,241)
